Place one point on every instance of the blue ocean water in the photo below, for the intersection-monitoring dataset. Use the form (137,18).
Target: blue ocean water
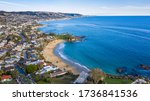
(111,42)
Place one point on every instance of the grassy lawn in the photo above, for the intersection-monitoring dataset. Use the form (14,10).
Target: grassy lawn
(42,82)
(66,79)
(117,81)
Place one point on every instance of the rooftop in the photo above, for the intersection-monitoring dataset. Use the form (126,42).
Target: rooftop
(6,77)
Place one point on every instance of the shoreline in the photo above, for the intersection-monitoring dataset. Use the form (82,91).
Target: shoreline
(50,56)
(74,64)
(58,19)
(48,20)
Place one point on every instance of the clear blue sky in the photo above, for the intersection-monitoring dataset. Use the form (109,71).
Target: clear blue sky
(88,7)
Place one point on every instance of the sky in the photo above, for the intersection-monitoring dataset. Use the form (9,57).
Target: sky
(86,7)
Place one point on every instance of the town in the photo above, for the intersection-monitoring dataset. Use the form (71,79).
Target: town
(21,47)
(21,52)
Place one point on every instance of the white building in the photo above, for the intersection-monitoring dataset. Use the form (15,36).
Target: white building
(2,53)
(11,60)
(139,81)
(19,48)
(34,63)
(46,69)
(3,43)
(9,65)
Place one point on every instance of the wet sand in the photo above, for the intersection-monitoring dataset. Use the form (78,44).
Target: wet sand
(49,55)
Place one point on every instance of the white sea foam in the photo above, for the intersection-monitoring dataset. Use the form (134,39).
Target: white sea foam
(60,53)
(61,46)
(129,34)
(128,28)
(81,65)
(62,56)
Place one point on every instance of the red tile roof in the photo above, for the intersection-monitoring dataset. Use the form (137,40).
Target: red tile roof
(6,77)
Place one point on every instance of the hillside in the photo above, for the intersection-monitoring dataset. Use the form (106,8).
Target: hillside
(23,17)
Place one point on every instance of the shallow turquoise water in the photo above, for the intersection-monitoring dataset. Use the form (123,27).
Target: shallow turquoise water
(111,42)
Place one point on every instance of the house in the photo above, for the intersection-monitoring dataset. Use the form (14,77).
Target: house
(11,60)
(11,43)
(19,48)
(2,44)
(33,56)
(57,73)
(1,61)
(33,42)
(82,78)
(139,81)
(46,69)
(6,78)
(9,65)
(9,69)
(2,53)
(16,55)
(34,63)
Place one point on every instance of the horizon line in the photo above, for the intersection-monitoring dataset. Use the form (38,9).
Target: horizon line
(78,13)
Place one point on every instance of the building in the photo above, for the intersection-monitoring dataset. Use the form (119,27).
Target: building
(12,60)
(19,48)
(9,69)
(2,53)
(6,78)
(57,73)
(35,62)
(46,69)
(9,65)
(139,81)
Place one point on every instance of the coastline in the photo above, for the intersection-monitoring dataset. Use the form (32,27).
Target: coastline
(59,19)
(48,20)
(50,56)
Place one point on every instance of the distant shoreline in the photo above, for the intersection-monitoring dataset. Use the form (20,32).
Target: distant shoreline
(58,19)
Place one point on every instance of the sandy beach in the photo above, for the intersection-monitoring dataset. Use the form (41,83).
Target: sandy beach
(49,55)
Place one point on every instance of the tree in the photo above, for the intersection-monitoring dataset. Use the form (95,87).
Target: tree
(40,66)
(31,68)
(65,36)
(97,75)
(8,54)
(1,72)
(14,73)
(52,34)
(37,78)
(48,80)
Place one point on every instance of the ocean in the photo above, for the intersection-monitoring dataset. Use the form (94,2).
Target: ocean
(111,42)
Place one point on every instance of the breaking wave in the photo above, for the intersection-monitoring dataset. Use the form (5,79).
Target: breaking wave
(60,53)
